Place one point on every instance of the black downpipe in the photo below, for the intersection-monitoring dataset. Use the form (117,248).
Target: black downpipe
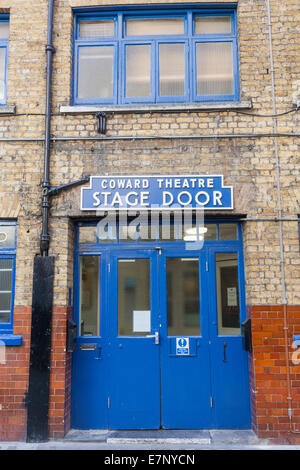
(42,293)
(45,238)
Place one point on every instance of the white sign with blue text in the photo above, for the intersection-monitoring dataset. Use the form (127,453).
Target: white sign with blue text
(182,346)
(156,192)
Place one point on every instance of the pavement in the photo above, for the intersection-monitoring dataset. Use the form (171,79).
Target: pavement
(147,441)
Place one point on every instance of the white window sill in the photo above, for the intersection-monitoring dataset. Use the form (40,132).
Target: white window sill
(7,109)
(166,108)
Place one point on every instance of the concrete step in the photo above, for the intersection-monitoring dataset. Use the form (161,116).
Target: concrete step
(160,436)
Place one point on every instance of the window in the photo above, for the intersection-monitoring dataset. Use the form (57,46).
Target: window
(155,56)
(4,34)
(7,274)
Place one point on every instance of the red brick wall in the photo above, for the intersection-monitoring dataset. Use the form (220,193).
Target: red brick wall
(60,375)
(268,373)
(14,380)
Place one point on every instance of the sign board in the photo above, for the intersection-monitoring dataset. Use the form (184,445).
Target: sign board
(141,321)
(156,192)
(182,346)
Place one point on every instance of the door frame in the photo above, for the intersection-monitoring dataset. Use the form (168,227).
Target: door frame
(171,248)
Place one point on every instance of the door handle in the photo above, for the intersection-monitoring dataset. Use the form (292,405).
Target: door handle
(224,352)
(99,353)
(156,336)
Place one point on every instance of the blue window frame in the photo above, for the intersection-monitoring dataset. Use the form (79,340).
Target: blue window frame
(7,275)
(155,55)
(4,35)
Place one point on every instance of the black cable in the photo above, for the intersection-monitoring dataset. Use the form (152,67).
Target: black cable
(237,111)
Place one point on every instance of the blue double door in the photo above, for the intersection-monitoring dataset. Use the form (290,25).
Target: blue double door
(159,340)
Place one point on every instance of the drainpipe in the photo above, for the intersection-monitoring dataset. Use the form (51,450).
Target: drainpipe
(37,397)
(45,239)
(279,210)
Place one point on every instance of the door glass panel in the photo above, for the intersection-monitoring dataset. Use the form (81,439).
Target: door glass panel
(95,72)
(99,28)
(227,294)
(172,69)
(154,26)
(214,68)
(212,25)
(89,314)
(138,70)
(183,298)
(227,232)
(134,297)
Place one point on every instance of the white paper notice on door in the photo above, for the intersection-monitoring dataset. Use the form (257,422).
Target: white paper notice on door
(231,297)
(141,321)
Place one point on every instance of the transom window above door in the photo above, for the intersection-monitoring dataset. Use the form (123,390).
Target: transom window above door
(166,55)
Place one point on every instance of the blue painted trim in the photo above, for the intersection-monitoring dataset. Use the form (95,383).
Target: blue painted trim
(121,16)
(11,340)
(9,253)
(4,45)
(297,339)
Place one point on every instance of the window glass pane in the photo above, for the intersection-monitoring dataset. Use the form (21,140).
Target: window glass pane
(227,232)
(211,233)
(2,72)
(138,70)
(87,234)
(95,72)
(206,232)
(7,236)
(133,295)
(214,68)
(4,30)
(97,28)
(212,25)
(154,26)
(172,69)
(227,294)
(89,296)
(183,300)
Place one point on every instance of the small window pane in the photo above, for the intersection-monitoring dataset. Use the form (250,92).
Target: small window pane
(7,236)
(138,70)
(194,233)
(87,234)
(154,26)
(5,298)
(213,25)
(128,233)
(183,298)
(2,72)
(95,72)
(214,68)
(172,69)
(133,294)
(4,30)
(89,296)
(227,294)
(227,232)
(99,28)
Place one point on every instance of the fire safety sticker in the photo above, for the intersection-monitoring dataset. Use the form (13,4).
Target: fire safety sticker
(182,347)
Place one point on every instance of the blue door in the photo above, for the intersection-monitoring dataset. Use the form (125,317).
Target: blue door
(159,340)
(185,370)
(90,357)
(134,362)
(229,360)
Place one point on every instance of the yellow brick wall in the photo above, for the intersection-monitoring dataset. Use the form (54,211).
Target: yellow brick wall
(247,163)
